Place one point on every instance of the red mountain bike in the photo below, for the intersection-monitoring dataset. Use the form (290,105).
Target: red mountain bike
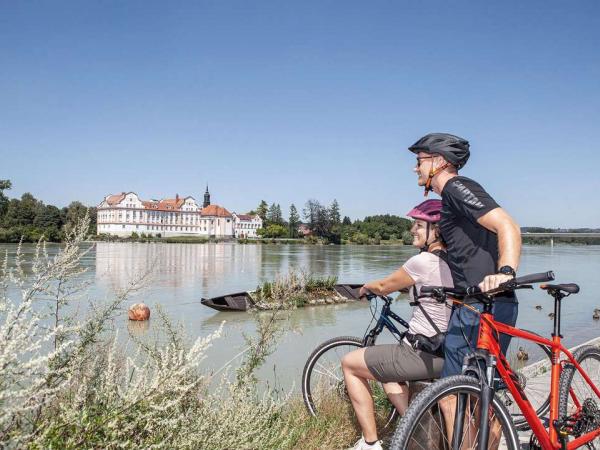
(463,412)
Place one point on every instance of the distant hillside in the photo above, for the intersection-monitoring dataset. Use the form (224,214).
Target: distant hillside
(558,230)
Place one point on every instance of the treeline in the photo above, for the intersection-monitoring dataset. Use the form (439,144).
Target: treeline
(324,223)
(583,240)
(558,230)
(29,219)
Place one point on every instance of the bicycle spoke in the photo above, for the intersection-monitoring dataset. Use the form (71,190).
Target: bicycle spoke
(327,372)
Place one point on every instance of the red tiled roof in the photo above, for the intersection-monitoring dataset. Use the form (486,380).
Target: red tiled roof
(215,211)
(167,204)
(115,199)
(245,216)
(171,203)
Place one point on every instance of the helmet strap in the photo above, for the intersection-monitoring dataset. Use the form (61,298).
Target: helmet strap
(425,247)
(432,173)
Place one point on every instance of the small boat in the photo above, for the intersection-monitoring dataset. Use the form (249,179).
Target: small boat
(349,291)
(232,302)
(242,301)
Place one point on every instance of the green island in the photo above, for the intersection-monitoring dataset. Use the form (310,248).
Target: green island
(296,289)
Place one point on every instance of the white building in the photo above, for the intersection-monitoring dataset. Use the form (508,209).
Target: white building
(245,225)
(125,213)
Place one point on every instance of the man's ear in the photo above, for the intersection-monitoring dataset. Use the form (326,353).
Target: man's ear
(439,161)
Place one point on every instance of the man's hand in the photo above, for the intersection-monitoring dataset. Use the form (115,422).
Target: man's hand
(363,292)
(494,281)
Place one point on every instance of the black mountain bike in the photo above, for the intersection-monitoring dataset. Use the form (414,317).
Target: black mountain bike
(322,378)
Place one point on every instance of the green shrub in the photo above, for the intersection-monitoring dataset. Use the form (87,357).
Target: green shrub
(407,238)
(360,238)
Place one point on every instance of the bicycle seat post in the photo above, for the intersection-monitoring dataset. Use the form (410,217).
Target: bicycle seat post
(558,296)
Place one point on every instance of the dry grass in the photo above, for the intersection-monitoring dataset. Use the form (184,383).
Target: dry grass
(293,289)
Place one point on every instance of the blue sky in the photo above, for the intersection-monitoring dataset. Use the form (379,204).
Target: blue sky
(286,101)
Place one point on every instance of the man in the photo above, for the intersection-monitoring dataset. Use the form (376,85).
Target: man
(483,241)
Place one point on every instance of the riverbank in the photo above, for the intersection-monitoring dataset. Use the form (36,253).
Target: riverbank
(309,240)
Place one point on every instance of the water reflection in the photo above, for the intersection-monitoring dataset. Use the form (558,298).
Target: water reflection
(183,273)
(138,328)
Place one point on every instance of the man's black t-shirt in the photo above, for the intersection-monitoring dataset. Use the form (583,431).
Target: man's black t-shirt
(472,249)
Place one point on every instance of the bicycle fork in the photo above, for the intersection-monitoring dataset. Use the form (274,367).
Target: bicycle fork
(487,394)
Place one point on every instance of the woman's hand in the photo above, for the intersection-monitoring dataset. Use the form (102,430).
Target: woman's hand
(363,291)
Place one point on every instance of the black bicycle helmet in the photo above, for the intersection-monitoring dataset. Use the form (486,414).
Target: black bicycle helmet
(453,148)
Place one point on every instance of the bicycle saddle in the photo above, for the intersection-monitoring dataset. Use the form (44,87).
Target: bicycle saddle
(569,288)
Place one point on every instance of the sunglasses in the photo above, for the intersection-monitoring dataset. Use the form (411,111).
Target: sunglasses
(421,158)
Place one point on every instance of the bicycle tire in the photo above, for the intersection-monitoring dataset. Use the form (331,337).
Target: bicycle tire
(569,375)
(308,384)
(406,436)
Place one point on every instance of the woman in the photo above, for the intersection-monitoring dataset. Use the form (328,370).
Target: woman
(394,364)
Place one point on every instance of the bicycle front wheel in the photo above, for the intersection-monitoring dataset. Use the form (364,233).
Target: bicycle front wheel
(448,411)
(323,386)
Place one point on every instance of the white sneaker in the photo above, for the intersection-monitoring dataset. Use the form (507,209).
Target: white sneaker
(362,445)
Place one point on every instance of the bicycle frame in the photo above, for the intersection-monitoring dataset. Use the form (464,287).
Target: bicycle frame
(385,322)
(487,341)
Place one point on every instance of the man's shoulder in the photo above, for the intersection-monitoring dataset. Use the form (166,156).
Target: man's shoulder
(467,196)
(460,185)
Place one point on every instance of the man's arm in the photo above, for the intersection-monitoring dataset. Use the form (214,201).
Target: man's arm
(509,244)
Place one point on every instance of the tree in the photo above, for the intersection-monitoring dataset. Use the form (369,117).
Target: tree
(272,231)
(334,212)
(21,213)
(4,185)
(383,225)
(49,216)
(75,212)
(274,214)
(271,213)
(278,217)
(319,221)
(346,221)
(294,221)
(311,214)
(262,210)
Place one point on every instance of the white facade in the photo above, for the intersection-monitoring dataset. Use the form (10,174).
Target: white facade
(125,213)
(245,225)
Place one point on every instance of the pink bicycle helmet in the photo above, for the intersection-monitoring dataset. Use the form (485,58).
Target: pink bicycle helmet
(429,211)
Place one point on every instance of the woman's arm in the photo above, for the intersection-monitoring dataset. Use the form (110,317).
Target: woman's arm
(395,282)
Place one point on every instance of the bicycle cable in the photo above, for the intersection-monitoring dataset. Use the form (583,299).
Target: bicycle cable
(373,312)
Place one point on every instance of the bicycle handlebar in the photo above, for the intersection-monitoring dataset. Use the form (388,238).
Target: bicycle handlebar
(510,285)
(535,278)
(370,296)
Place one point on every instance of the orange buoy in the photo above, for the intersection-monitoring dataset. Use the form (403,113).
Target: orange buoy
(139,311)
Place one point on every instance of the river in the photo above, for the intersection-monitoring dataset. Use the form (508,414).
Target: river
(184,273)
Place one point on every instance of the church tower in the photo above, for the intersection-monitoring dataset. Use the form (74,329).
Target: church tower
(206,198)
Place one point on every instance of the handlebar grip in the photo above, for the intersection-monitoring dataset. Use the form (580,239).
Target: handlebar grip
(369,296)
(473,290)
(535,278)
